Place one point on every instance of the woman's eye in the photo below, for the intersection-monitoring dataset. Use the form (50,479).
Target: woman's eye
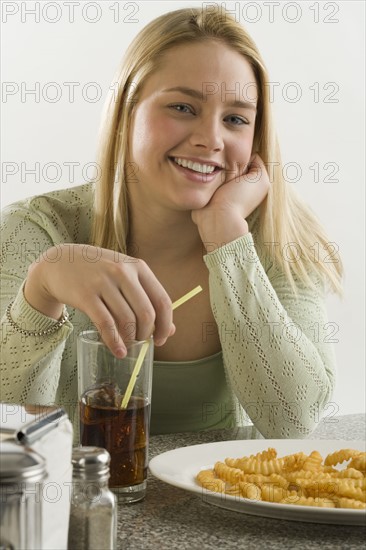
(181,108)
(236,120)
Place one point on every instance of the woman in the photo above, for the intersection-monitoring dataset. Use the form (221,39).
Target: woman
(191,193)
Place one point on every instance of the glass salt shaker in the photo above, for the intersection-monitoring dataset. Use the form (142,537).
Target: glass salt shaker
(22,474)
(93,513)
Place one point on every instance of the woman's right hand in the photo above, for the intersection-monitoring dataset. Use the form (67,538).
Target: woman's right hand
(119,293)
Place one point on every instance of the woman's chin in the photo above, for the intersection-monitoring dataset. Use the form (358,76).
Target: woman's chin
(192,205)
(194,201)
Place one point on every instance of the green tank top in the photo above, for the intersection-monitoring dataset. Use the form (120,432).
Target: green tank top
(190,396)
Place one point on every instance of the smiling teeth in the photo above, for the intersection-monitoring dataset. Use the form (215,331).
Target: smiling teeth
(195,166)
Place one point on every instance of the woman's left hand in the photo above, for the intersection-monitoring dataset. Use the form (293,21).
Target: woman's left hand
(223,219)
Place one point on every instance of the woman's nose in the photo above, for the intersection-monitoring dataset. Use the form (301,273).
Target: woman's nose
(207,133)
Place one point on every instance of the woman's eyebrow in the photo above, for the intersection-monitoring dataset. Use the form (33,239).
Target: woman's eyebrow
(201,96)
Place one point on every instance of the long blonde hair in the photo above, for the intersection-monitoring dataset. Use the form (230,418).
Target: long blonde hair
(285,220)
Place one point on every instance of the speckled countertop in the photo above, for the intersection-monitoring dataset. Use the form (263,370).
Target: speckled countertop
(170,518)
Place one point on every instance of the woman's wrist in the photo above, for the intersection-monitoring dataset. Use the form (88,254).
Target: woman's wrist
(217,228)
(36,296)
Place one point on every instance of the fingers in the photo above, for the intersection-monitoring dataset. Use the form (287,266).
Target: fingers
(161,303)
(106,326)
(133,309)
(256,164)
(123,315)
(150,303)
(257,173)
(250,163)
(251,169)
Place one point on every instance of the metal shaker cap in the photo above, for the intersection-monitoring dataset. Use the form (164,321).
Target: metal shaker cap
(18,463)
(90,462)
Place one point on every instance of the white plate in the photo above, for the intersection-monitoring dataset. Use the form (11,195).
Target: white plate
(180,466)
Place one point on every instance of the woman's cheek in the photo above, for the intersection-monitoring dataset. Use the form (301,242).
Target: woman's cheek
(167,131)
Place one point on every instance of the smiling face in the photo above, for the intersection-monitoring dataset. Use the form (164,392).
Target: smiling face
(192,128)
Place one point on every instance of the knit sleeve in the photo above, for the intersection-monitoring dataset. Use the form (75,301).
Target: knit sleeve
(276,345)
(30,365)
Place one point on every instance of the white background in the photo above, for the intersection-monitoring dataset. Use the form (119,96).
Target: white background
(314,53)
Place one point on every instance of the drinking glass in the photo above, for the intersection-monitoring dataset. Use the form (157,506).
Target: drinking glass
(124,432)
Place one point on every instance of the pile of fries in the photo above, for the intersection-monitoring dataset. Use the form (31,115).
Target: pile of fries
(299,479)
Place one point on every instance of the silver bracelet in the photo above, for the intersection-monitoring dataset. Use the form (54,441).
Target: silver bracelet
(51,330)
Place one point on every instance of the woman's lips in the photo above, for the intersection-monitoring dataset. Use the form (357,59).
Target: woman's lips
(192,175)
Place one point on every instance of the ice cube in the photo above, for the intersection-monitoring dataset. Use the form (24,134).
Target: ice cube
(103,395)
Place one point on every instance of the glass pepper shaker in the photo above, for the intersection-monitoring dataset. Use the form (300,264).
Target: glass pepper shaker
(93,513)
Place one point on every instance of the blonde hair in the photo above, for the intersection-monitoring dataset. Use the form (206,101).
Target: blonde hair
(283,217)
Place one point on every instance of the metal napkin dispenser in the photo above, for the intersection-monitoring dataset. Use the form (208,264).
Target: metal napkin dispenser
(35,507)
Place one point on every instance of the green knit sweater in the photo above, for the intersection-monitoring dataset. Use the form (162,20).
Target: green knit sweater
(275,369)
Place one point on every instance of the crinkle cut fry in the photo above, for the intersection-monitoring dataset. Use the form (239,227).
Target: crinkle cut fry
(208,480)
(273,493)
(273,479)
(254,466)
(305,474)
(350,473)
(294,462)
(250,490)
(359,462)
(268,454)
(314,462)
(234,475)
(320,477)
(350,488)
(340,456)
(308,501)
(231,475)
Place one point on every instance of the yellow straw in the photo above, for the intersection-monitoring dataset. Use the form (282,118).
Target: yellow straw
(145,347)
(135,374)
(186,297)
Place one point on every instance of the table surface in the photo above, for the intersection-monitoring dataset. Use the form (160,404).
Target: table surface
(172,518)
